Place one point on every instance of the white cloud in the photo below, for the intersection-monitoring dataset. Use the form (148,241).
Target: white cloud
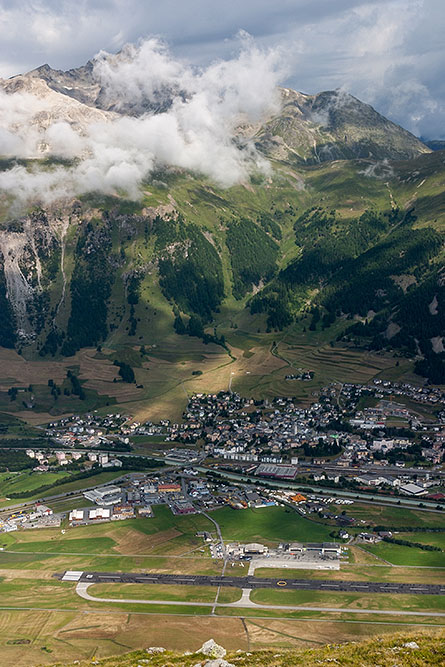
(195,132)
(372,48)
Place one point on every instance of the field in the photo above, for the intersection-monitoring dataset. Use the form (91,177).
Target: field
(166,533)
(268,524)
(360,573)
(163,533)
(350,600)
(435,539)
(400,555)
(393,516)
(68,487)
(69,627)
(159,592)
(23,482)
(165,375)
(66,636)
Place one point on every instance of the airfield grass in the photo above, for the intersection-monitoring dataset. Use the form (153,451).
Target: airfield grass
(46,593)
(270,524)
(54,594)
(408,575)
(401,555)
(164,592)
(336,616)
(349,600)
(47,562)
(358,556)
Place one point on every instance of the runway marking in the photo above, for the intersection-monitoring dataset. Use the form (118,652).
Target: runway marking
(72,575)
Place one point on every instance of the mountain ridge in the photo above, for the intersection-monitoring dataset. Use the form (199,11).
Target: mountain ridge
(308,129)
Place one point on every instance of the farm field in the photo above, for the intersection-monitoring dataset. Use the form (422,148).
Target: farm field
(139,536)
(392,516)
(435,539)
(22,482)
(165,374)
(400,555)
(68,487)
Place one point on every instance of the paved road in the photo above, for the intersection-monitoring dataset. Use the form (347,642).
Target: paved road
(246,603)
(257,582)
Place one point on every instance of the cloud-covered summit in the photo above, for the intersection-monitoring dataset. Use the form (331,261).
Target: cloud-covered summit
(388,53)
(156,110)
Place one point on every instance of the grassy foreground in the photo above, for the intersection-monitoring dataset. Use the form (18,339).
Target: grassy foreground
(404,650)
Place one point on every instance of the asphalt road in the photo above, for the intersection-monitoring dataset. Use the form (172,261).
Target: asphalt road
(257,582)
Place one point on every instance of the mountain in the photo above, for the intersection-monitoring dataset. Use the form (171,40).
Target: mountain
(83,85)
(344,237)
(333,125)
(309,129)
(434,144)
(424,648)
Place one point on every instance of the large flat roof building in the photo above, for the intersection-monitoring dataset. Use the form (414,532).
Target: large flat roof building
(276,471)
(106,495)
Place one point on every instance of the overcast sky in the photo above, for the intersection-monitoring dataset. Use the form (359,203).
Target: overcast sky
(389,53)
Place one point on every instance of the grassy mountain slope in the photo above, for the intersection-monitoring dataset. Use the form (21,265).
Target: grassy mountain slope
(346,253)
(405,650)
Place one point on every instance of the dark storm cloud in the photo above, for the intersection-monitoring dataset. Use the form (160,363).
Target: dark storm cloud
(389,53)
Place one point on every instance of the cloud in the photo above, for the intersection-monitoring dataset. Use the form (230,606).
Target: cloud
(378,50)
(196,131)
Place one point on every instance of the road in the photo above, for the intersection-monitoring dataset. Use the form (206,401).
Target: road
(218,530)
(257,582)
(246,603)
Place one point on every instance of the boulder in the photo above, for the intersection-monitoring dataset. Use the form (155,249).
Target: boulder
(212,649)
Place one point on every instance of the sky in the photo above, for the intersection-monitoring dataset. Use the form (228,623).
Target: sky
(389,53)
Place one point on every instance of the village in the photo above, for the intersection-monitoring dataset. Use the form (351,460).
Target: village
(241,452)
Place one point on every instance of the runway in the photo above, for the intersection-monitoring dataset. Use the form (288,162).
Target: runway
(252,582)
